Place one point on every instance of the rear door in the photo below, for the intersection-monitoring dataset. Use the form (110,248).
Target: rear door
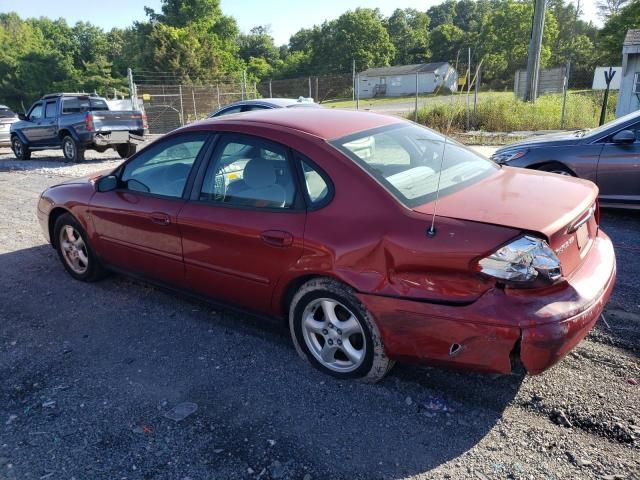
(619,170)
(137,224)
(244,224)
(49,124)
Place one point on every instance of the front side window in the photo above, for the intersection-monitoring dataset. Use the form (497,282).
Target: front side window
(250,172)
(163,169)
(36,112)
(410,161)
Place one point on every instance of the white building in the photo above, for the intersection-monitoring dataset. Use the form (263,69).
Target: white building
(629,94)
(401,80)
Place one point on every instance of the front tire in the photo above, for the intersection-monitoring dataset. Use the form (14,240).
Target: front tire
(333,331)
(125,150)
(72,151)
(556,168)
(74,250)
(20,150)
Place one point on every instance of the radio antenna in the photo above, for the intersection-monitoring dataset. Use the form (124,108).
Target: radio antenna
(432,229)
(431,232)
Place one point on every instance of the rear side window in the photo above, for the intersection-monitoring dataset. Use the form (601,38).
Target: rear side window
(50,110)
(250,172)
(315,182)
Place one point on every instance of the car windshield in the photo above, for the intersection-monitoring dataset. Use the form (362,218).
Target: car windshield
(413,161)
(6,113)
(603,129)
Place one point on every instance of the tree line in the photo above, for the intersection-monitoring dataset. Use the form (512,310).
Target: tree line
(193,41)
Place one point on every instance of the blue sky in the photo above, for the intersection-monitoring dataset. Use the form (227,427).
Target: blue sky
(284,16)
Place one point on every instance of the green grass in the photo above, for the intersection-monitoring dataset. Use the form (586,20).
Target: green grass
(506,113)
(423,100)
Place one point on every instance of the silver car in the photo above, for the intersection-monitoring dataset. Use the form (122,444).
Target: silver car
(7,117)
(263,104)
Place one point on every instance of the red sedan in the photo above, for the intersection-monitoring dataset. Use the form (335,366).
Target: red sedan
(379,240)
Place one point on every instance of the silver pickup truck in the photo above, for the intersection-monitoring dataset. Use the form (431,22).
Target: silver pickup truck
(76,122)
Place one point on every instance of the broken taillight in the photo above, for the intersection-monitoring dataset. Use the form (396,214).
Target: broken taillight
(88,122)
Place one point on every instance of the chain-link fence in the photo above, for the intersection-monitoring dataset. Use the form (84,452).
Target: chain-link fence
(169,104)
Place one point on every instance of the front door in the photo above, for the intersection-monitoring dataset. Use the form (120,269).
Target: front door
(137,224)
(245,222)
(33,128)
(619,170)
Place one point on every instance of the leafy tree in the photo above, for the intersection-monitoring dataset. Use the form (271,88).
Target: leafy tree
(258,44)
(409,32)
(443,13)
(611,37)
(606,8)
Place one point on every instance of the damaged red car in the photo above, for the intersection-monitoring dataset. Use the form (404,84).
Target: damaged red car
(375,238)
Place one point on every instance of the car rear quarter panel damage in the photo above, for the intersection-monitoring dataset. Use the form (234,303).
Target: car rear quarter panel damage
(539,326)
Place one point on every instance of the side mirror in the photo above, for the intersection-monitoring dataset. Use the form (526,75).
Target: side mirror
(624,136)
(107,183)
(22,116)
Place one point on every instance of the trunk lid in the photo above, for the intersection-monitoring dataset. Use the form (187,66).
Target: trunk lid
(561,209)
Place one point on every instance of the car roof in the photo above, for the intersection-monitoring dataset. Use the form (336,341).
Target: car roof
(325,123)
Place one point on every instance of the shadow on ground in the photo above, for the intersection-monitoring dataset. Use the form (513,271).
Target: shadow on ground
(89,370)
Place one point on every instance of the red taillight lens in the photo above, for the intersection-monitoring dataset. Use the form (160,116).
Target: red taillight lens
(145,125)
(88,122)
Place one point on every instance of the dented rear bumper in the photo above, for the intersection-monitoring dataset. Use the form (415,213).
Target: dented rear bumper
(534,327)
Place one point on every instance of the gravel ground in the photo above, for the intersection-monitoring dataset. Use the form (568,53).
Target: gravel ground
(91,374)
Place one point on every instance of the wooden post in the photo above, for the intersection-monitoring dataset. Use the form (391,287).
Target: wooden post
(417,90)
(193,97)
(270,90)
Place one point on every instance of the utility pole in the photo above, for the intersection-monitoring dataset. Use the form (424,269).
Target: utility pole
(535,45)
(353,81)
(468,86)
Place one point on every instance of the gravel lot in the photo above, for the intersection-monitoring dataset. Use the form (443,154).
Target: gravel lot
(89,372)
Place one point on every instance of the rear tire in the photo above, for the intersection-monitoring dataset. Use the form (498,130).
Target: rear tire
(125,150)
(20,150)
(333,331)
(557,168)
(72,151)
(72,245)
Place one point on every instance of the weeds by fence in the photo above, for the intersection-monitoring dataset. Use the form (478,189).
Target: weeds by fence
(508,113)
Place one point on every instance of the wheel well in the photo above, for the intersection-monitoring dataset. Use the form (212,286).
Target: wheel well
(53,216)
(64,133)
(291,290)
(551,164)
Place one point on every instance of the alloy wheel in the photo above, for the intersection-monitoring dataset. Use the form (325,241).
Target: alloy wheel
(333,335)
(69,149)
(74,251)
(17,147)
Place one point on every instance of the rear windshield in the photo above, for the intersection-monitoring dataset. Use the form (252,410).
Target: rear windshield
(410,161)
(6,113)
(83,104)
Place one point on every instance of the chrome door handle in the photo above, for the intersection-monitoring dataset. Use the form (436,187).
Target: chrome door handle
(160,219)
(277,238)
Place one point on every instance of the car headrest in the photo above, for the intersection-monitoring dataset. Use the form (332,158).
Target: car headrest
(258,173)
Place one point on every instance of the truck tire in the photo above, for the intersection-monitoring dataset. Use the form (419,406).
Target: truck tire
(20,150)
(125,150)
(72,151)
